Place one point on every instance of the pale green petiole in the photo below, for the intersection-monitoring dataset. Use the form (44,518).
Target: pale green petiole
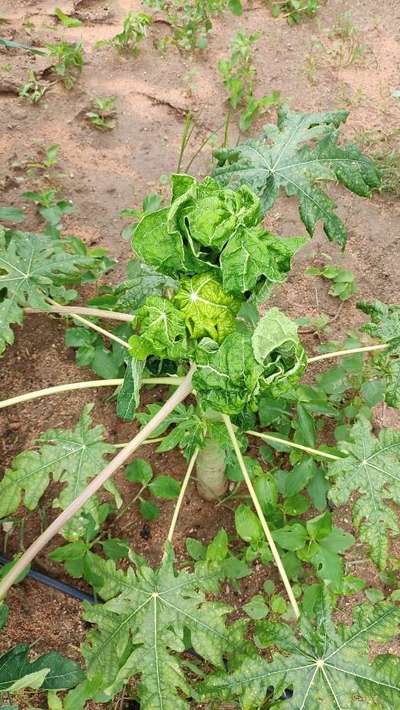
(261,516)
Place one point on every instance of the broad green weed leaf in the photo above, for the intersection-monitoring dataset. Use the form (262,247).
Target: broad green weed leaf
(165,487)
(11,214)
(297,155)
(327,666)
(49,672)
(385,323)
(370,467)
(139,471)
(66,20)
(138,632)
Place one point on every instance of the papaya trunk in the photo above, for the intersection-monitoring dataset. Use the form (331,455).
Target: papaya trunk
(210,470)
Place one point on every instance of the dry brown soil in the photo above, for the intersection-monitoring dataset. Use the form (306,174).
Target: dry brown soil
(103,173)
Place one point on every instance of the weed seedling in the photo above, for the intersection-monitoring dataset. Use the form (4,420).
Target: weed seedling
(66,20)
(384,148)
(343,280)
(190,21)
(239,75)
(294,10)
(102,115)
(68,61)
(134,29)
(33,89)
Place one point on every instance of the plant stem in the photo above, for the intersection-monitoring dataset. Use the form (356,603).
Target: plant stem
(181,495)
(174,381)
(179,395)
(261,516)
(211,464)
(93,326)
(351,351)
(198,151)
(292,445)
(84,311)
(188,127)
(226,127)
(148,441)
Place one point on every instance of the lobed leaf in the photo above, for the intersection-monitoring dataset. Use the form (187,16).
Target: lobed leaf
(137,632)
(326,665)
(370,467)
(296,156)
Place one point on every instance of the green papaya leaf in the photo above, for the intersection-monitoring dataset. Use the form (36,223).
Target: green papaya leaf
(323,664)
(254,261)
(276,345)
(370,467)
(162,331)
(297,155)
(207,309)
(137,632)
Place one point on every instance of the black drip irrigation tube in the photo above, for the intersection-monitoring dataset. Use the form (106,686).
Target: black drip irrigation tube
(55,584)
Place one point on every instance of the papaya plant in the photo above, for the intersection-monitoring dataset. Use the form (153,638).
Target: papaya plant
(187,317)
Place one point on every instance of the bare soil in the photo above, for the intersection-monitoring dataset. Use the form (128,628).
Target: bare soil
(103,173)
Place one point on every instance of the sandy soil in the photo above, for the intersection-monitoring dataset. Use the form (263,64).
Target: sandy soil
(103,173)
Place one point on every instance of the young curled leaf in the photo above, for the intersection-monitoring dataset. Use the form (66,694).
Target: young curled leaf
(254,260)
(156,246)
(207,309)
(209,214)
(227,378)
(276,345)
(162,331)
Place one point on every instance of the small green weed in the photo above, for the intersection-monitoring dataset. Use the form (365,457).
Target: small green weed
(49,207)
(66,20)
(103,114)
(239,76)
(68,61)
(134,29)
(33,89)
(294,10)
(190,20)
(384,148)
(343,280)
(50,160)
(341,47)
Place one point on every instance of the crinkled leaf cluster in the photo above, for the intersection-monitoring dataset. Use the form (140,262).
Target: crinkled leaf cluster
(212,229)
(211,239)
(370,467)
(325,666)
(71,457)
(297,155)
(232,377)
